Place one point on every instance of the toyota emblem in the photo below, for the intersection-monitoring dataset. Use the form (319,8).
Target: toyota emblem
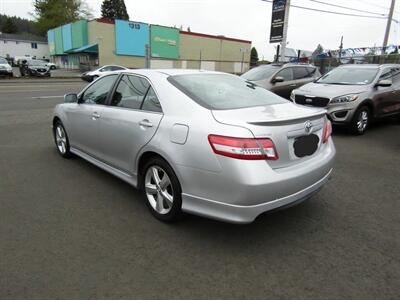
(308,126)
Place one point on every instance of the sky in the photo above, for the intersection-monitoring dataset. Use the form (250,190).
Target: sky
(250,20)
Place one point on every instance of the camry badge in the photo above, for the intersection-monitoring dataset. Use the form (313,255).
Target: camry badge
(308,126)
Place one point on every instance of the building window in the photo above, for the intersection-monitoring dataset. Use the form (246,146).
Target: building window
(34,45)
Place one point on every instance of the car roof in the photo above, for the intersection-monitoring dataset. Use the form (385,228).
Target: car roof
(377,66)
(168,72)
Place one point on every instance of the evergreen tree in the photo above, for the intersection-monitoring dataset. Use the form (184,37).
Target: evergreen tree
(114,9)
(253,57)
(53,13)
(9,26)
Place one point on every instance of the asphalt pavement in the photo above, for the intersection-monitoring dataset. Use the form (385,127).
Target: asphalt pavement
(69,230)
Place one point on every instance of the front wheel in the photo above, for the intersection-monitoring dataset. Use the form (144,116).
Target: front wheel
(361,121)
(162,189)
(61,140)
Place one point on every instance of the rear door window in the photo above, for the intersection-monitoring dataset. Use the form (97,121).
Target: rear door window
(300,73)
(286,74)
(151,102)
(130,92)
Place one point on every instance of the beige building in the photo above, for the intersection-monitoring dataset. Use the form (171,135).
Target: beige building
(183,49)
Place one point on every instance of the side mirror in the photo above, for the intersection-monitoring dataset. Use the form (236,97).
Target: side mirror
(384,83)
(278,79)
(71,98)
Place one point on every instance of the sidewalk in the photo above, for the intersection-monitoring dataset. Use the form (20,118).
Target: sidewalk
(56,76)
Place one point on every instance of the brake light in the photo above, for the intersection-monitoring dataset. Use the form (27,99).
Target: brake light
(243,148)
(327,131)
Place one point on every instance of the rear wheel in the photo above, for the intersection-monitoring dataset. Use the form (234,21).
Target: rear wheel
(361,120)
(162,189)
(61,140)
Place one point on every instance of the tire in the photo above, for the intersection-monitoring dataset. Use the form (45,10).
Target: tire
(163,194)
(94,77)
(61,140)
(360,121)
(52,67)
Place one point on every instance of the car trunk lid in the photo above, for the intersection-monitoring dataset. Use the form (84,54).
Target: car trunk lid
(287,125)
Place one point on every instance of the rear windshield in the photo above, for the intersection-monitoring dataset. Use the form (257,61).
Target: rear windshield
(260,73)
(223,91)
(3,61)
(349,76)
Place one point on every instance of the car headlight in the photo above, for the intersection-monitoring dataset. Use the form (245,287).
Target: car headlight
(345,98)
(292,96)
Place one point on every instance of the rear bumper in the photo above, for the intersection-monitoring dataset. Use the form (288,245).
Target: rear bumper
(245,189)
(246,214)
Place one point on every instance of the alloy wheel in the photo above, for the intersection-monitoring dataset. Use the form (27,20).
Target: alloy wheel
(159,190)
(362,121)
(61,139)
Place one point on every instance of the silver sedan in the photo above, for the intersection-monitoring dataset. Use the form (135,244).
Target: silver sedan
(206,143)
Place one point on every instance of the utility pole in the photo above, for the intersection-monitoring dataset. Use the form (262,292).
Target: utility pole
(285,31)
(389,23)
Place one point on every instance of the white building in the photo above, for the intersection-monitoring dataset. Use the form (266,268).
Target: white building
(13,45)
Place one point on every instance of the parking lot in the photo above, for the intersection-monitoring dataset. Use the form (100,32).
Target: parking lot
(69,230)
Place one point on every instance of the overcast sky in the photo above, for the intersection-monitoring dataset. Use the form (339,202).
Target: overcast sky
(250,19)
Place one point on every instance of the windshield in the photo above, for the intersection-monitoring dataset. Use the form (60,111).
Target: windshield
(223,91)
(36,63)
(260,73)
(3,61)
(349,76)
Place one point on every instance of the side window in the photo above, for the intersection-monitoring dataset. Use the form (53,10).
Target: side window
(386,74)
(396,75)
(130,92)
(98,91)
(106,69)
(300,73)
(116,68)
(287,74)
(311,70)
(151,102)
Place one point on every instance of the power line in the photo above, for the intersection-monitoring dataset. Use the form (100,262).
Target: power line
(373,4)
(348,8)
(332,12)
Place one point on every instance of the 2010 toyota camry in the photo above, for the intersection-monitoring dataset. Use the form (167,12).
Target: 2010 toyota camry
(206,143)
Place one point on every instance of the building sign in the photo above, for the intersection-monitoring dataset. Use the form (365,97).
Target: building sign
(164,42)
(277,21)
(131,38)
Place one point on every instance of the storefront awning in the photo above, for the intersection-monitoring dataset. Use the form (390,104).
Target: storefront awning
(94,48)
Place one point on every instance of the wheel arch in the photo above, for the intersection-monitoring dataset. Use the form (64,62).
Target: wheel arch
(370,104)
(144,158)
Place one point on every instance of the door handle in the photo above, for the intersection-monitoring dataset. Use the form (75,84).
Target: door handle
(95,116)
(145,123)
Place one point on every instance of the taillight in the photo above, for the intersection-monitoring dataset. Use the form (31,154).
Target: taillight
(243,148)
(327,131)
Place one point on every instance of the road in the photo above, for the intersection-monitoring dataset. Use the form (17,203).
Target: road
(69,230)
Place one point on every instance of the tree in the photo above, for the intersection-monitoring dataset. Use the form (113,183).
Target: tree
(9,26)
(114,9)
(253,57)
(53,13)
(319,50)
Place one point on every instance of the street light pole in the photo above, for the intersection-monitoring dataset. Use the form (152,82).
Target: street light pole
(285,31)
(389,23)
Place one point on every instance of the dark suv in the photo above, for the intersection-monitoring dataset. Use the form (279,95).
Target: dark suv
(281,79)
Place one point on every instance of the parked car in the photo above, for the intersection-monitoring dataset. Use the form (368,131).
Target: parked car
(92,75)
(5,68)
(51,65)
(281,79)
(37,68)
(354,95)
(202,142)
